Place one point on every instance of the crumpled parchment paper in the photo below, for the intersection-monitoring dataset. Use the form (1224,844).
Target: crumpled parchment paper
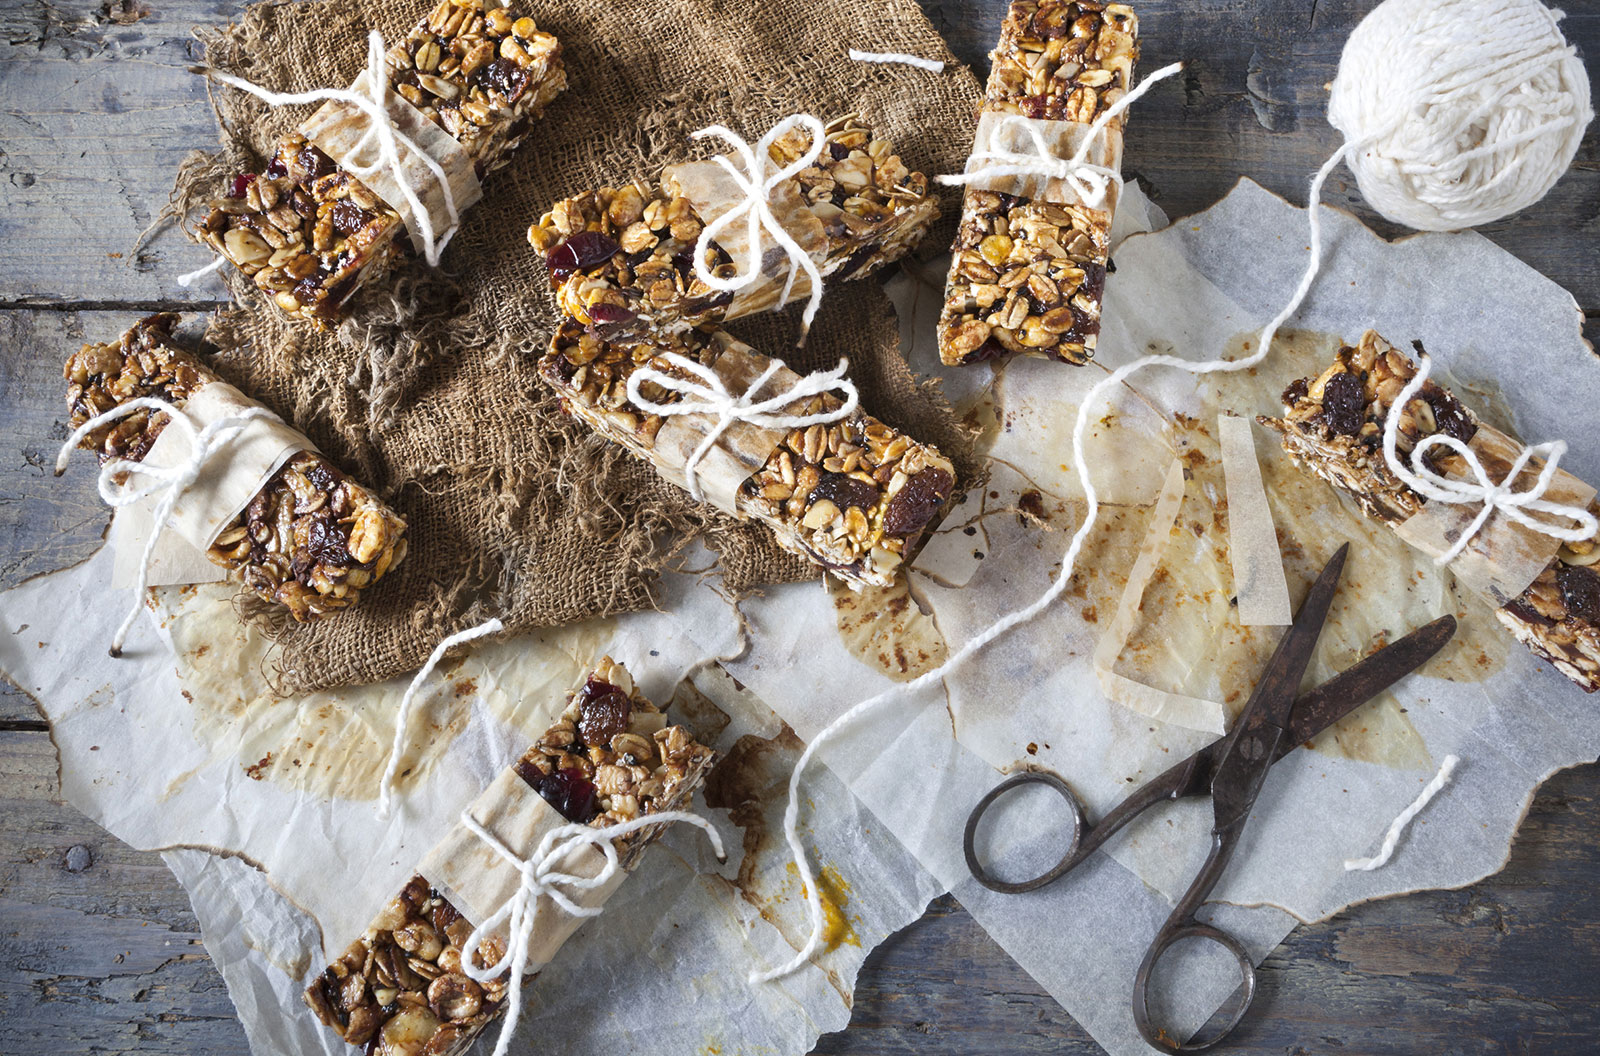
(164,771)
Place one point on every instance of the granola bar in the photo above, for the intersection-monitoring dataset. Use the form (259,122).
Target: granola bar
(311,234)
(621,259)
(1028,275)
(854,496)
(311,539)
(1333,425)
(399,988)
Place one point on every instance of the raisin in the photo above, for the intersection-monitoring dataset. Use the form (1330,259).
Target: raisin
(329,543)
(990,349)
(1295,392)
(853,262)
(313,163)
(1580,591)
(839,151)
(603,712)
(276,169)
(1526,613)
(348,217)
(240,183)
(1094,283)
(1343,403)
(914,505)
(1453,418)
(570,792)
(843,490)
(582,251)
(503,76)
(610,315)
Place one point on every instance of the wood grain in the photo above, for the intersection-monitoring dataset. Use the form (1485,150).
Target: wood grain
(98,947)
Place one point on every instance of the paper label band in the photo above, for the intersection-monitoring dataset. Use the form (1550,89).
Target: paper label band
(1007,133)
(743,448)
(478,881)
(340,130)
(713,192)
(1504,557)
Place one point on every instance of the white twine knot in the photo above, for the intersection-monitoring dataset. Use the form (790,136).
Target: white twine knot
(710,396)
(116,483)
(403,713)
(542,877)
(1502,497)
(1089,182)
(756,208)
(381,126)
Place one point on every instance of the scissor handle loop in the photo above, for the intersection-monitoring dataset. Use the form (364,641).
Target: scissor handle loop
(968,841)
(1168,938)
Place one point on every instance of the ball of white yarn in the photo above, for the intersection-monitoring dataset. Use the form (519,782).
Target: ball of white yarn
(1458,112)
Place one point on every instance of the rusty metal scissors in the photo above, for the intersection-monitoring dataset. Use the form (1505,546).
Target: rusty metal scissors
(1231,771)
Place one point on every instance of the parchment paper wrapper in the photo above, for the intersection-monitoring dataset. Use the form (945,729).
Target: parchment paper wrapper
(713,193)
(742,449)
(478,881)
(1504,557)
(341,131)
(231,477)
(1258,581)
(1007,132)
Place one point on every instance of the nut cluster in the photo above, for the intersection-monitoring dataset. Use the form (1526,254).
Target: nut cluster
(1027,277)
(310,540)
(399,989)
(621,259)
(1063,60)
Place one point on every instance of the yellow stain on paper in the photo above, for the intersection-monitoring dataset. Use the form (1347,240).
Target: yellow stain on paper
(836,927)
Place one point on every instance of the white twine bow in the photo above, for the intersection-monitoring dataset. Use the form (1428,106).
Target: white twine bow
(117,476)
(1089,182)
(757,211)
(711,396)
(1502,497)
(381,126)
(540,876)
(403,712)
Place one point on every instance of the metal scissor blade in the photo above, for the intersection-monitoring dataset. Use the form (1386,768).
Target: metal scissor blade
(1359,683)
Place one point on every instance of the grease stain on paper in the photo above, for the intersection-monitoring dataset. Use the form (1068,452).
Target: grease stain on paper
(887,629)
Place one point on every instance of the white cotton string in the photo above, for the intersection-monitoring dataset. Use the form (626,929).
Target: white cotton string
(117,476)
(1089,182)
(1499,497)
(541,877)
(1469,110)
(756,208)
(931,65)
(386,783)
(199,273)
(710,396)
(381,127)
(1391,839)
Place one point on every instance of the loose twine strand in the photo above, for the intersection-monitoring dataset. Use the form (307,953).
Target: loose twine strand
(403,713)
(116,481)
(931,65)
(711,396)
(541,877)
(756,209)
(1391,839)
(381,127)
(1502,497)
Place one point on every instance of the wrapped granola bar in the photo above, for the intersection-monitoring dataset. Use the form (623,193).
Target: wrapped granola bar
(1333,426)
(306,536)
(467,82)
(611,758)
(1030,255)
(621,259)
(855,496)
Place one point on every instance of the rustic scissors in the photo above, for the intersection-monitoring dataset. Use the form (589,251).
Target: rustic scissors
(1231,770)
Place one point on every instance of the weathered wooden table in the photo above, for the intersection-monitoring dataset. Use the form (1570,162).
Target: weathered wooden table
(98,948)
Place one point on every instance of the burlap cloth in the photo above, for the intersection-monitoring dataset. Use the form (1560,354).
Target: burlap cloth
(429,391)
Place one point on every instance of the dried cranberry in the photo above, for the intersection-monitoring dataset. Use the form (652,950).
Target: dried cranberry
(502,76)
(603,712)
(1342,404)
(842,491)
(240,183)
(582,251)
(990,349)
(610,314)
(1295,392)
(348,217)
(1580,591)
(570,792)
(914,505)
(1035,106)
(276,169)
